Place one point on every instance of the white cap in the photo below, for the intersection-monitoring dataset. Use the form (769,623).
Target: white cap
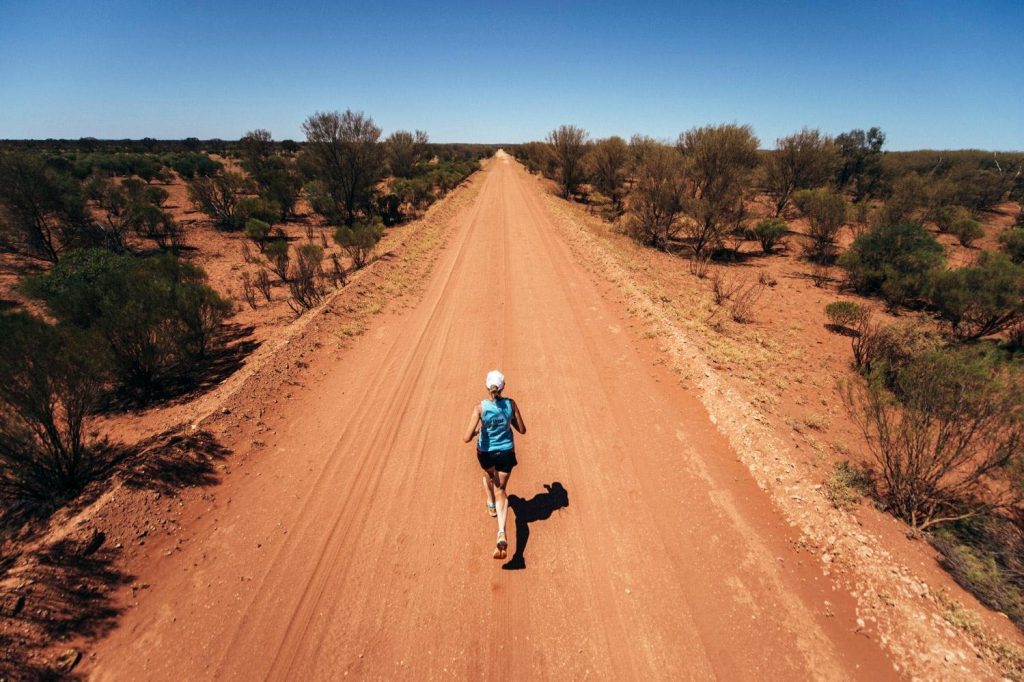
(495,379)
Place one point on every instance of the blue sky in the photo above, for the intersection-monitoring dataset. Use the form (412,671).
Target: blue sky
(930,74)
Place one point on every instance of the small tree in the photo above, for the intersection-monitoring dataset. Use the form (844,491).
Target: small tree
(770,232)
(42,212)
(981,300)
(1012,244)
(804,160)
(569,144)
(952,426)
(50,381)
(825,211)
(608,160)
(404,151)
(967,231)
(345,157)
(358,241)
(257,231)
(218,196)
(305,283)
(894,260)
(278,255)
(656,201)
(717,165)
(860,162)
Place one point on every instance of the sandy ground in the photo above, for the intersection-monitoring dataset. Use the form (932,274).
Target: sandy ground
(351,536)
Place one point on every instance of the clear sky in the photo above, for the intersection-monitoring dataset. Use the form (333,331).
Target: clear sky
(938,74)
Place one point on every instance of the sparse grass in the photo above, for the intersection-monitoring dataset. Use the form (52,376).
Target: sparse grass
(986,556)
(1008,656)
(847,485)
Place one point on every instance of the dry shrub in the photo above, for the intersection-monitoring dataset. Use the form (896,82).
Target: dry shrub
(248,291)
(889,348)
(847,485)
(263,283)
(305,281)
(947,431)
(741,297)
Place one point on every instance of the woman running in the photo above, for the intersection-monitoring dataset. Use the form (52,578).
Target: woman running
(493,420)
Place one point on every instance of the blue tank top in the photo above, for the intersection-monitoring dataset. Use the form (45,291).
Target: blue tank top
(496,431)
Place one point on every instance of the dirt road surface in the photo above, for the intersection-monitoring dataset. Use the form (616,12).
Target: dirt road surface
(356,544)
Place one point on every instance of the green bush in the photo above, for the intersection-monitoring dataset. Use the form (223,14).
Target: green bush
(967,231)
(50,380)
(156,314)
(945,217)
(885,350)
(770,232)
(358,241)
(825,211)
(278,255)
(258,231)
(388,207)
(981,300)
(846,314)
(1012,243)
(895,261)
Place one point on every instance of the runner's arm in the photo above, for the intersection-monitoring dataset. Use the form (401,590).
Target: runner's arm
(517,419)
(471,428)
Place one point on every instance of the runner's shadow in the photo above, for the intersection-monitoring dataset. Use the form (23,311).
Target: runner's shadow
(537,508)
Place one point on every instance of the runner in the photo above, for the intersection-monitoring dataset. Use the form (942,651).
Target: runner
(493,420)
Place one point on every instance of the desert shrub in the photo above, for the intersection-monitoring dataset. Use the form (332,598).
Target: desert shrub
(986,556)
(803,160)
(1011,242)
(193,164)
(718,162)
(305,282)
(258,208)
(945,217)
(944,437)
(825,211)
(388,208)
(278,255)
(770,232)
(893,260)
(43,212)
(281,188)
(155,313)
(248,291)
(358,241)
(263,283)
(655,203)
(740,297)
(569,145)
(405,150)
(882,351)
(50,380)
(608,160)
(980,300)
(847,485)
(150,222)
(346,160)
(417,192)
(967,231)
(218,197)
(860,163)
(257,231)
(846,315)
(908,194)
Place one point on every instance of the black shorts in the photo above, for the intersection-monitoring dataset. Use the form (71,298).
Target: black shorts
(501,460)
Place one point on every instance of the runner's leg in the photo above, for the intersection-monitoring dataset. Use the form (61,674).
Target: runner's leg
(501,497)
(489,486)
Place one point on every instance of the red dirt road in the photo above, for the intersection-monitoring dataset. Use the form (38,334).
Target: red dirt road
(356,542)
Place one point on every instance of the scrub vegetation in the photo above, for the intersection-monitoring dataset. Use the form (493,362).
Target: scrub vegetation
(936,394)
